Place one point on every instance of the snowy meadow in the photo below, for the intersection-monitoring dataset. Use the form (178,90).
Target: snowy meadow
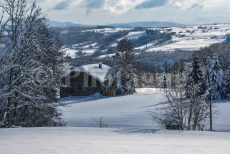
(74,140)
(68,88)
(128,128)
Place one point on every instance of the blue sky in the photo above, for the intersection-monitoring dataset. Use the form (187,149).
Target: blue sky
(124,11)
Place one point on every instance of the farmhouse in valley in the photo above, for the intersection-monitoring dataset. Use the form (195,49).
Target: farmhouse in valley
(84,80)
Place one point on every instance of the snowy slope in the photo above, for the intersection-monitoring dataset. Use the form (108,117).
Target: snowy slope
(107,30)
(110,141)
(70,52)
(222,116)
(88,51)
(132,111)
(194,37)
(125,111)
(186,44)
(188,38)
(133,35)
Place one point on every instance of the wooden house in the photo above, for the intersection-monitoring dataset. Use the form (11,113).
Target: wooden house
(84,80)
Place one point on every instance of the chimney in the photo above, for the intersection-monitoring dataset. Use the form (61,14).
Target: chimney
(100,65)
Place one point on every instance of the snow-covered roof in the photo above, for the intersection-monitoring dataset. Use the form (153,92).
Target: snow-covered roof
(93,70)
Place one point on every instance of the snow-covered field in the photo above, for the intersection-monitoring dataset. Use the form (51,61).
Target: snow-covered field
(107,30)
(110,141)
(132,111)
(134,35)
(194,37)
(70,52)
(125,111)
(222,116)
(130,130)
(187,45)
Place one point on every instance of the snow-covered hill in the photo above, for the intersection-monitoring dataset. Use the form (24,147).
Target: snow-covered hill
(184,38)
(195,37)
(149,24)
(132,111)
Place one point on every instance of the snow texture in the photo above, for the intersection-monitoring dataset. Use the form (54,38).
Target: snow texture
(110,141)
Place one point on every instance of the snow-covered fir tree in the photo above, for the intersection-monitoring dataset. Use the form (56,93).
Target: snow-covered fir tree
(227,90)
(165,82)
(215,77)
(196,91)
(196,78)
(125,45)
(123,72)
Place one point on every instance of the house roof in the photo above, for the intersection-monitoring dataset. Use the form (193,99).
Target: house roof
(91,69)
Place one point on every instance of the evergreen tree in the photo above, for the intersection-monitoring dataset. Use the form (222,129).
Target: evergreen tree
(196,78)
(215,77)
(173,80)
(227,90)
(165,85)
(155,81)
(196,93)
(123,71)
(124,45)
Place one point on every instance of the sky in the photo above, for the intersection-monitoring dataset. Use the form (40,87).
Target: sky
(100,12)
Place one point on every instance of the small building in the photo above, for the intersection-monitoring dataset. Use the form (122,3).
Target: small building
(84,80)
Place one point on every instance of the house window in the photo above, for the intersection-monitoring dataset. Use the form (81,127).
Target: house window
(98,84)
(79,87)
(90,81)
(72,74)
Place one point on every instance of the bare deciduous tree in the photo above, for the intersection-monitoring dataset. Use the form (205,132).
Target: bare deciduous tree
(30,64)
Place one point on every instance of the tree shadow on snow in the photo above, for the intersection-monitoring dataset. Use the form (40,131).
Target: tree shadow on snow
(137,131)
(81,99)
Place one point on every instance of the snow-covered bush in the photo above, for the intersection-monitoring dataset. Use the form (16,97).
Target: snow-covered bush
(186,107)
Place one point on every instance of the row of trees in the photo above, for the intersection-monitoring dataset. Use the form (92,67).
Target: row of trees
(30,65)
(190,99)
(189,94)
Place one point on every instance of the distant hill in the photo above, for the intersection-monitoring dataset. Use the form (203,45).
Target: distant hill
(122,25)
(148,24)
(63,24)
(156,47)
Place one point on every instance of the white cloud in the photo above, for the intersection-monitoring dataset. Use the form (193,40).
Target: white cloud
(184,11)
(205,4)
(184,4)
(118,7)
(115,7)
